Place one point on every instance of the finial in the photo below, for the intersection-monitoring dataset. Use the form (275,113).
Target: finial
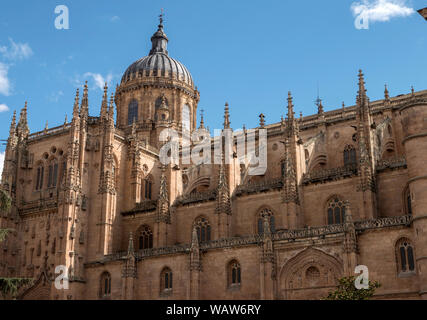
(46,126)
(13,124)
(226,117)
(66,119)
(320,107)
(161,16)
(343,105)
(202,123)
(386,95)
(111,109)
(130,245)
(290,106)
(412,90)
(261,120)
(362,90)
(300,114)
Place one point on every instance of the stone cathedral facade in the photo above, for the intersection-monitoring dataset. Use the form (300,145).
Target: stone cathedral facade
(342,188)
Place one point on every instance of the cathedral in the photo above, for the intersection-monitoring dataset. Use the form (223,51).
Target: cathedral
(342,188)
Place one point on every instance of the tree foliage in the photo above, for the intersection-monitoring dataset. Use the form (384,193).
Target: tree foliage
(9,287)
(5,200)
(347,291)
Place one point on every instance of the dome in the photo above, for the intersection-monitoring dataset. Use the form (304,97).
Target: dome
(158,63)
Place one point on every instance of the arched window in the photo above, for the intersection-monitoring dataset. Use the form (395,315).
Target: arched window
(148,188)
(105,285)
(132,112)
(52,174)
(39,177)
(349,156)
(234,273)
(166,280)
(203,229)
(186,120)
(261,215)
(405,256)
(336,211)
(145,237)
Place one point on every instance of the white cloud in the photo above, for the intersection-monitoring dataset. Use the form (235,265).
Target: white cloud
(381,10)
(3,108)
(16,51)
(99,79)
(1,162)
(55,96)
(4,80)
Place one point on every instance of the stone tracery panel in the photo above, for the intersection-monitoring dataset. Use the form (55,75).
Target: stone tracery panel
(311,274)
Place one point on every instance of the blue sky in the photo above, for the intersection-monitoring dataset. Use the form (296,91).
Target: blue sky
(249,53)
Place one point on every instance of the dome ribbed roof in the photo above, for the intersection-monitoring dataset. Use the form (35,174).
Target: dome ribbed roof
(158,63)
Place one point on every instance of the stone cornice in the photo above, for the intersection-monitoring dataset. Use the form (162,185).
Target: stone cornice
(256,240)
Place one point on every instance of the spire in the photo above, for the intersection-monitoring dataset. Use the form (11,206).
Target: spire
(76,105)
(386,95)
(104,105)
(46,127)
(412,91)
(194,238)
(130,245)
(66,119)
(320,110)
(111,110)
(261,120)
(350,240)
(12,129)
(163,200)
(159,39)
(223,196)
(361,94)
(226,117)
(290,192)
(22,127)
(291,112)
(195,261)
(84,110)
(202,123)
(163,191)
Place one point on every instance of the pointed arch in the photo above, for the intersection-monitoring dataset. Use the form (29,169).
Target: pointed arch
(145,237)
(105,285)
(349,155)
(166,281)
(309,274)
(234,273)
(259,217)
(405,256)
(203,228)
(335,210)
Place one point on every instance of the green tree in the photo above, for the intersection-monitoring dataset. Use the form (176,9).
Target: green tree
(347,291)
(9,287)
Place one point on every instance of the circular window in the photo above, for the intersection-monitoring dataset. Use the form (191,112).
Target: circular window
(312,274)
